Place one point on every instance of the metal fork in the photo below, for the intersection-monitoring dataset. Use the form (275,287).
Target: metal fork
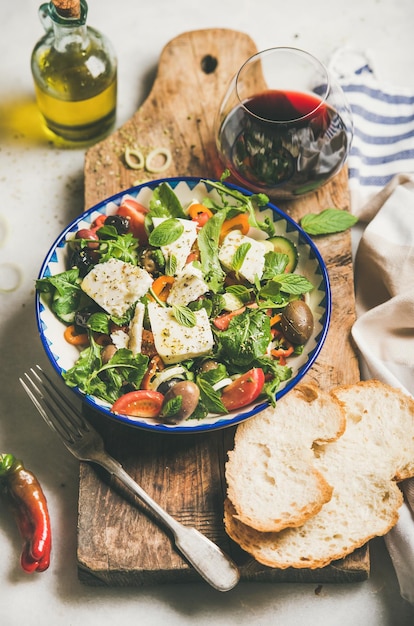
(85,443)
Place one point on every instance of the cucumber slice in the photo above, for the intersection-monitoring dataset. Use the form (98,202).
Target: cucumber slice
(286,246)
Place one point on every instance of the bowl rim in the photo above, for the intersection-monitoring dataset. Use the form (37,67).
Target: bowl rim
(199,427)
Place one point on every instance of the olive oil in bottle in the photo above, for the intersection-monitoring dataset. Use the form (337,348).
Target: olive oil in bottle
(75,74)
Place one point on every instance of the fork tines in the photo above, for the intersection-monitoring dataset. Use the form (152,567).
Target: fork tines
(50,401)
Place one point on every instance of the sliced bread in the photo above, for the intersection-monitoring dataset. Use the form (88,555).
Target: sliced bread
(363,467)
(271,475)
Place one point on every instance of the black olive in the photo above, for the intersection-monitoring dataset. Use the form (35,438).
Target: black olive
(297,322)
(120,223)
(81,317)
(167,384)
(150,260)
(82,259)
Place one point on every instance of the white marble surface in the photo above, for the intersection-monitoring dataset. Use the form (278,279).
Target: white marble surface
(41,189)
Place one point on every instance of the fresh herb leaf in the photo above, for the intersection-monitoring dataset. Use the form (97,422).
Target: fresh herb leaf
(246,338)
(208,243)
(294,284)
(167,232)
(275,263)
(65,293)
(165,203)
(249,203)
(171,265)
(184,316)
(241,292)
(240,255)
(172,407)
(210,397)
(99,323)
(327,222)
(106,381)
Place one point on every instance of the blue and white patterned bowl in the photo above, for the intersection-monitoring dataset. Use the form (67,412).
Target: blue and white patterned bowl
(62,355)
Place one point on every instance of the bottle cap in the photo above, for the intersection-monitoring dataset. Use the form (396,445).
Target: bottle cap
(68,8)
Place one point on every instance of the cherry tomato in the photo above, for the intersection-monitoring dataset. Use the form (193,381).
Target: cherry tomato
(222,321)
(136,213)
(199,213)
(141,403)
(244,390)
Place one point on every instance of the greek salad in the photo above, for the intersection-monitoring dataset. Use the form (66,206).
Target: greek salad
(180,312)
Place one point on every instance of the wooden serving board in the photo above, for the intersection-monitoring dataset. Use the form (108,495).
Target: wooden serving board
(118,542)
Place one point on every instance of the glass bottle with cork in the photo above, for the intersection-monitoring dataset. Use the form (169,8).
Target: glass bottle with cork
(75,74)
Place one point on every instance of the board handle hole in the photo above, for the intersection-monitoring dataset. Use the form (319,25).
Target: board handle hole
(208,64)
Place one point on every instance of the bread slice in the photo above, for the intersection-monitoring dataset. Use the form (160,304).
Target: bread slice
(363,467)
(271,475)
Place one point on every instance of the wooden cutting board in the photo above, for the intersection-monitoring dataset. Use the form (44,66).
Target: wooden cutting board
(118,544)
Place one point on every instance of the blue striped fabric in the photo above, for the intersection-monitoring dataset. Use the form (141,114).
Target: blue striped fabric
(383,143)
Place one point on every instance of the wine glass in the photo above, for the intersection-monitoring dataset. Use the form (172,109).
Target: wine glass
(284,127)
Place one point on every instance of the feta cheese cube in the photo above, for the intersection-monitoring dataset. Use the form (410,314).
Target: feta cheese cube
(135,329)
(253,263)
(174,342)
(181,247)
(187,287)
(116,285)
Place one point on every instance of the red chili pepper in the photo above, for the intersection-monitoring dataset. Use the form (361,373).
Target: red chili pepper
(29,506)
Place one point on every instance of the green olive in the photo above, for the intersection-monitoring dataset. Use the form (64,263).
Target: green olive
(190,395)
(297,322)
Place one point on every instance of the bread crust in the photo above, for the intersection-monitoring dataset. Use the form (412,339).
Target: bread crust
(363,467)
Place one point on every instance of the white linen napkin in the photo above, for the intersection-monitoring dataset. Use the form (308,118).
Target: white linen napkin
(381,180)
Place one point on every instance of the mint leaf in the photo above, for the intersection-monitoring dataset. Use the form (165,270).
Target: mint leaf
(184,316)
(239,256)
(327,222)
(167,232)
(294,284)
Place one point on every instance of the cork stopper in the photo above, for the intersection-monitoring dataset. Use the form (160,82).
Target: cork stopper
(68,8)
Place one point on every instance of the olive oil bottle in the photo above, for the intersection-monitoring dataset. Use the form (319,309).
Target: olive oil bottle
(75,74)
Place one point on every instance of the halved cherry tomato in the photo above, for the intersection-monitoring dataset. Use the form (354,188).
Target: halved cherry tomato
(238,222)
(98,222)
(136,213)
(244,389)
(222,321)
(141,403)
(199,213)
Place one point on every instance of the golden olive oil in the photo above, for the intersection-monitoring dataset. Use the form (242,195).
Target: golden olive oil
(75,76)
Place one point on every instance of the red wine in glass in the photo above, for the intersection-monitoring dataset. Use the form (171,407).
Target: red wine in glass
(285,143)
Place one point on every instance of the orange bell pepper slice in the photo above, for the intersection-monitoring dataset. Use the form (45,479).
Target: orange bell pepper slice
(238,222)
(74,338)
(162,286)
(199,213)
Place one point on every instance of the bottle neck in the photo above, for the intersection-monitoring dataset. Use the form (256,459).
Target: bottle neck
(68,31)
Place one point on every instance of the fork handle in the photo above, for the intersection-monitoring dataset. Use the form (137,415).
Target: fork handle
(205,556)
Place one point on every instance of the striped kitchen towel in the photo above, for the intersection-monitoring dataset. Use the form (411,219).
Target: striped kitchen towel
(383,143)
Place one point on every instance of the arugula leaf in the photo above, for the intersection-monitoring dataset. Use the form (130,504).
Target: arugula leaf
(327,222)
(279,373)
(99,322)
(113,245)
(106,381)
(246,338)
(65,292)
(167,232)
(249,204)
(208,243)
